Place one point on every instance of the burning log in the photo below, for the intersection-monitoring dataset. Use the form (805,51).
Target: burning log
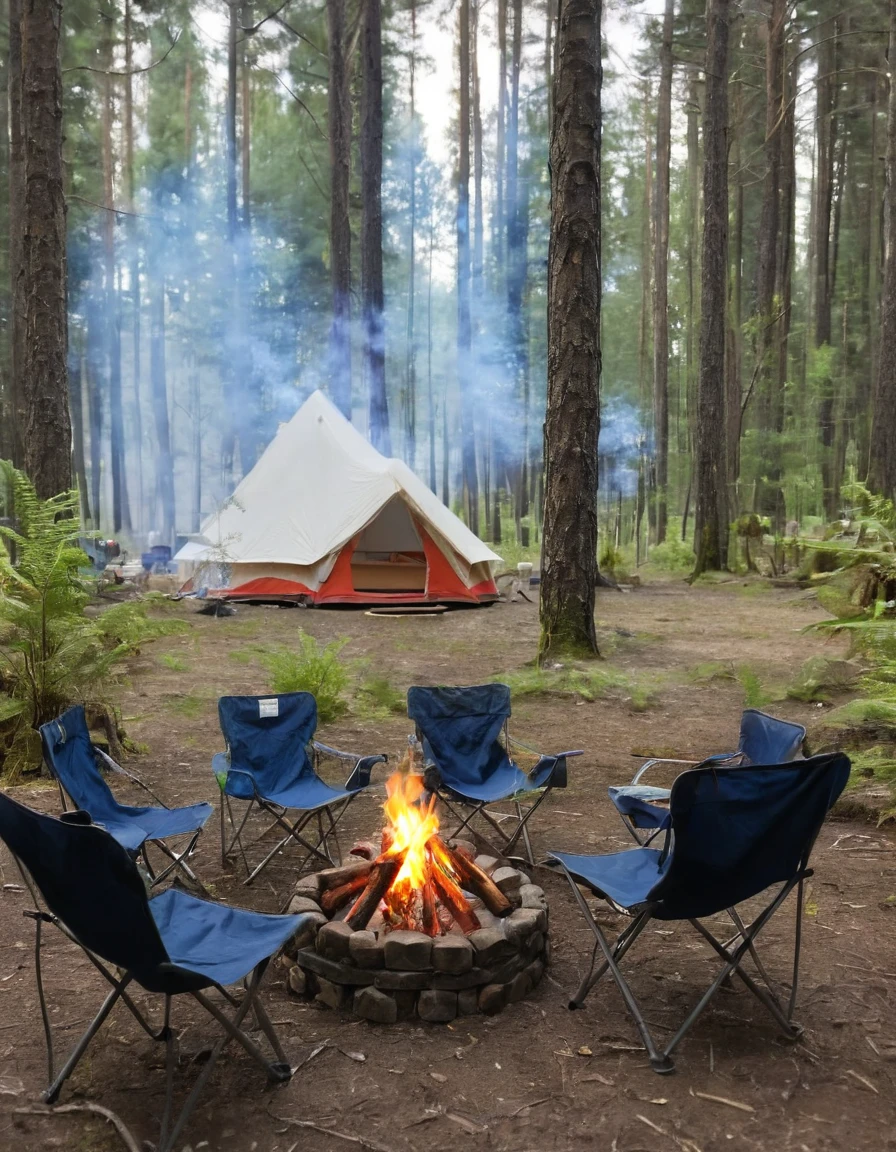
(431,924)
(380,880)
(336,877)
(453,899)
(473,878)
(334,898)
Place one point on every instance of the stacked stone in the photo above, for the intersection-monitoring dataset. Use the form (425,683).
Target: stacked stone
(389,976)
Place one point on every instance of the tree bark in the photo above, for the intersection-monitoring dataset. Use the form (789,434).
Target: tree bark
(826,111)
(661,275)
(572,421)
(410,405)
(711,514)
(159,384)
(882,470)
(372,300)
(94,364)
(16,230)
(47,433)
(134,271)
(464,321)
(340,127)
(512,455)
(121,514)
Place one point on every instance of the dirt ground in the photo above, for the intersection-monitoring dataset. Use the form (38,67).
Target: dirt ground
(538,1076)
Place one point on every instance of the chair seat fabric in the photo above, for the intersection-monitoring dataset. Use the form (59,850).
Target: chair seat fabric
(641,803)
(218,942)
(131,827)
(507,781)
(627,878)
(307,793)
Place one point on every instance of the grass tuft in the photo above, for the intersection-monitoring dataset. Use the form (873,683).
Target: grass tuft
(174,663)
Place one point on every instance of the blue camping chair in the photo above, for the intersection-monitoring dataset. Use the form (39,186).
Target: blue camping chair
(170,945)
(735,832)
(73,762)
(270,763)
(763,740)
(466,747)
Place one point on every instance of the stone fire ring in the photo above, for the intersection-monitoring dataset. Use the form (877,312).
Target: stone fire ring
(388,976)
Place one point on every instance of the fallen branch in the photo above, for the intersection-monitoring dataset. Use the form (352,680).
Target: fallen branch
(130,1143)
(332,1132)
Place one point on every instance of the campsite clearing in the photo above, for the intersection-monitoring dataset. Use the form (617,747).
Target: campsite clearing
(537,1077)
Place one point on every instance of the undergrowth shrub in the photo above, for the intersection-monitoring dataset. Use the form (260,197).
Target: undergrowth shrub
(52,652)
(312,667)
(378,696)
(673,555)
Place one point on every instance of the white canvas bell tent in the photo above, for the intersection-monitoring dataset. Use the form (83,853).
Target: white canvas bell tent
(323,518)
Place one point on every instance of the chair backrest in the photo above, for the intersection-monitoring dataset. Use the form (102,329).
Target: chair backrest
(69,754)
(461,729)
(765,739)
(90,883)
(736,831)
(268,736)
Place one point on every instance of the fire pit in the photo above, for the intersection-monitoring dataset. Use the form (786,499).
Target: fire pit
(417,927)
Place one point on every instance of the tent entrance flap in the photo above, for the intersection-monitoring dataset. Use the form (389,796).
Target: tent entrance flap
(388,556)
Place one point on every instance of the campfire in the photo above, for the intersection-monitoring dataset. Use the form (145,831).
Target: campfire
(417,881)
(410,926)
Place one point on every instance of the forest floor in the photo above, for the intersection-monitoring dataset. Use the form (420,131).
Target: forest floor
(536,1077)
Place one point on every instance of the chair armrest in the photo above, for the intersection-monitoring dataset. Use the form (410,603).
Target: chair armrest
(236,772)
(114,766)
(551,770)
(666,760)
(360,776)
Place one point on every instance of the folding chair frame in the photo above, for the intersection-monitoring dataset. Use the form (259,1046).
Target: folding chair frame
(278,1070)
(327,818)
(729,951)
(178,860)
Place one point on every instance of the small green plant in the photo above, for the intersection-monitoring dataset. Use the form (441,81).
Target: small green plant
(586,683)
(673,555)
(755,696)
(312,667)
(378,696)
(190,707)
(175,663)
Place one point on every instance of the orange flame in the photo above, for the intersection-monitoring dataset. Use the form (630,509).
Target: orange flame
(412,825)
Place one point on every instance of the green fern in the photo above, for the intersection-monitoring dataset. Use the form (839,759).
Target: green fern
(52,654)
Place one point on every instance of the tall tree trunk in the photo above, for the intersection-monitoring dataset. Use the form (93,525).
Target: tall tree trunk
(771,496)
(734,329)
(711,516)
(882,470)
(786,237)
(133,241)
(232,376)
(372,301)
(661,275)
(464,322)
(572,421)
(410,404)
(517,216)
(94,363)
(478,225)
(47,428)
(16,232)
(499,219)
(340,126)
(159,386)
(7,412)
(430,401)
(246,121)
(692,262)
(826,108)
(76,399)
(121,514)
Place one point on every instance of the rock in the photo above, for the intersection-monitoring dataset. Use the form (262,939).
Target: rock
(524,879)
(302,904)
(437,1007)
(491,946)
(492,998)
(452,954)
(508,880)
(406,1002)
(535,972)
(531,896)
(408,951)
(339,972)
(306,933)
(371,1004)
(366,950)
(308,886)
(547,949)
(522,924)
(296,981)
(468,1002)
(454,983)
(486,863)
(400,981)
(333,940)
(333,995)
(519,988)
